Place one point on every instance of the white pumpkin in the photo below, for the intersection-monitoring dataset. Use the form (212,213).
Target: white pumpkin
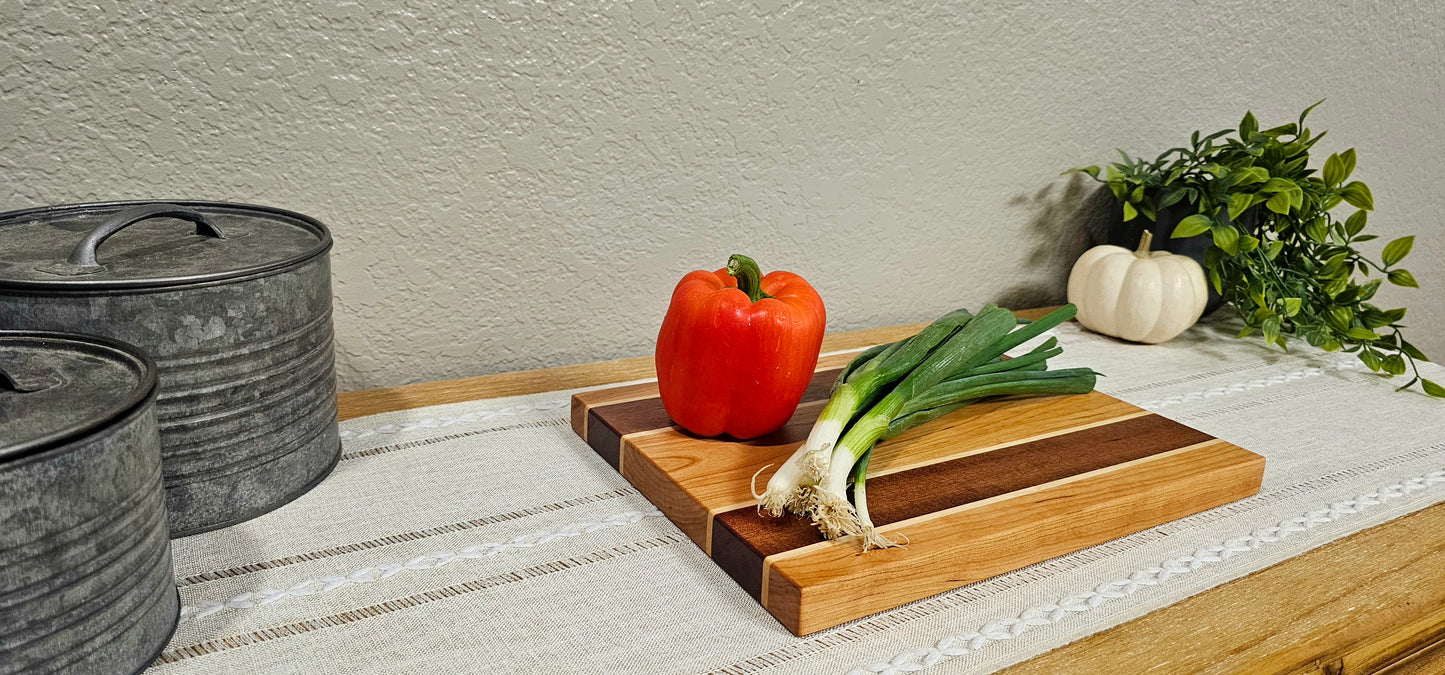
(1141,296)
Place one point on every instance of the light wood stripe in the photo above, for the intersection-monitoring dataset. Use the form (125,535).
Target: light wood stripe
(1004,533)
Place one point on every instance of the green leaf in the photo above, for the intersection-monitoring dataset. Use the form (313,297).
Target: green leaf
(1091,170)
(1340,317)
(1337,286)
(1371,359)
(1226,238)
(1367,290)
(1334,171)
(1216,281)
(1291,306)
(1347,158)
(1306,112)
(1413,351)
(1282,130)
(1395,315)
(1403,278)
(1396,251)
(1270,328)
(1247,244)
(1272,249)
(1279,203)
(1146,209)
(1248,126)
(1316,229)
(1257,295)
(1129,212)
(1171,198)
(1238,203)
(1191,226)
(1355,223)
(1297,198)
(1250,175)
(1245,332)
(1277,185)
(1361,334)
(1358,195)
(1394,364)
(1432,389)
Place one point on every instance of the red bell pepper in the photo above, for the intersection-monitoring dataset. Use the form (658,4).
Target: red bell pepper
(737,350)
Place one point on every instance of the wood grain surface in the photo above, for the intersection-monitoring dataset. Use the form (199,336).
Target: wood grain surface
(999,455)
(817,587)
(1372,602)
(983,491)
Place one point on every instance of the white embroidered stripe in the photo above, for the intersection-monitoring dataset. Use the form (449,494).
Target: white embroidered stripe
(474,416)
(953,646)
(1238,387)
(432,560)
(488,415)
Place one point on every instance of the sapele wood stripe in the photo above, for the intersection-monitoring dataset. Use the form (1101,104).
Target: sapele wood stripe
(917,492)
(603,439)
(932,488)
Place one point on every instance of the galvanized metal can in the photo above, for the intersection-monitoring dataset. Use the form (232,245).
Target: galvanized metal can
(86,584)
(234,304)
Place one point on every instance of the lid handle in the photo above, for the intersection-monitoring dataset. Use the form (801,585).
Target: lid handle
(23,386)
(84,253)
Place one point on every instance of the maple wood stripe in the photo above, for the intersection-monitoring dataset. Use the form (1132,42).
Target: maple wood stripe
(742,538)
(379,609)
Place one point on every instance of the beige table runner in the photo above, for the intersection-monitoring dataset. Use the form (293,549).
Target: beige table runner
(485,537)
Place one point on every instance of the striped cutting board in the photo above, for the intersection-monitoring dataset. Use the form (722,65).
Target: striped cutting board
(986,490)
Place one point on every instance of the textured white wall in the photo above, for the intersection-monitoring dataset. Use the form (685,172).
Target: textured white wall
(520,185)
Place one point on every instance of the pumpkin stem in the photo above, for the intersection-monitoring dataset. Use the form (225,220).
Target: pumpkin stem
(1145,241)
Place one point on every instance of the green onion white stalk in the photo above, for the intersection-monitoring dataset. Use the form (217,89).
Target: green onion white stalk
(872,538)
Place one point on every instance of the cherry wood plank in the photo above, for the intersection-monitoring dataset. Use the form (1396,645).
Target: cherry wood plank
(817,587)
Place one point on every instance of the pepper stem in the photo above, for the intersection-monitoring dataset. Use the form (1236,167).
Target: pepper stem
(750,278)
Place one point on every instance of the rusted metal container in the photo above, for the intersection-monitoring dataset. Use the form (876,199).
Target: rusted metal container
(234,304)
(86,584)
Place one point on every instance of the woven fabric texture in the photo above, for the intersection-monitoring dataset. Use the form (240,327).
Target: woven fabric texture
(485,537)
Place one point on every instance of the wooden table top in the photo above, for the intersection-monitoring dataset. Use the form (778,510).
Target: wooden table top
(1373,602)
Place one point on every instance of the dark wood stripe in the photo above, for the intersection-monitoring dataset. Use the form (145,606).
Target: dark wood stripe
(607,424)
(742,538)
(603,438)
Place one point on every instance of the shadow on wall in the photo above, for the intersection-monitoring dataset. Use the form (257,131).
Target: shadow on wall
(1067,218)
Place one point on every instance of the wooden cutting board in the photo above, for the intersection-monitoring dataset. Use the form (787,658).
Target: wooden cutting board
(986,490)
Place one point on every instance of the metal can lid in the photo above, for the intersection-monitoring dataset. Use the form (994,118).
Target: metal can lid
(135,245)
(55,387)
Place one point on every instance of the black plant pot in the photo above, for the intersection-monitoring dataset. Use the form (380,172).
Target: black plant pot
(1127,235)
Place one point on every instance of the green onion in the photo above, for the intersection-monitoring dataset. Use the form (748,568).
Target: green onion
(969,346)
(955,394)
(862,382)
(964,369)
